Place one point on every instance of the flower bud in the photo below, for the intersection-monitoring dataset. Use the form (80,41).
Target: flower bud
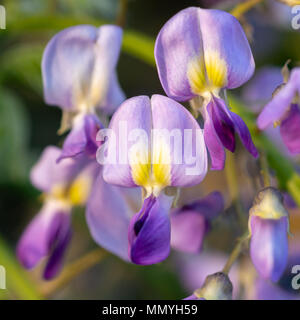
(268,227)
(217,286)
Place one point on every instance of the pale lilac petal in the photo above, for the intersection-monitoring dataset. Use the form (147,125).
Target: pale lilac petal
(269,246)
(276,108)
(188,156)
(47,236)
(192,33)
(46,172)
(213,143)
(149,232)
(133,114)
(290,130)
(190,223)
(108,216)
(82,138)
(78,63)
(177,43)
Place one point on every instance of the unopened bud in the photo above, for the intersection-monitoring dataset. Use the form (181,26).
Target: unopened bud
(217,286)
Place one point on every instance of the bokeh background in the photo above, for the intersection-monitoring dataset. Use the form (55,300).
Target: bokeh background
(28,125)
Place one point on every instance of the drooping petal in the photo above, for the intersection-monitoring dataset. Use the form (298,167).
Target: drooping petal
(244,134)
(47,172)
(213,143)
(130,126)
(269,246)
(180,132)
(108,216)
(190,223)
(82,138)
(212,42)
(47,236)
(290,130)
(223,124)
(78,65)
(149,231)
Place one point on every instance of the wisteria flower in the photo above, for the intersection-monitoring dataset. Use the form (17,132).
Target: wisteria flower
(64,186)
(79,76)
(153,163)
(284,110)
(268,227)
(198,53)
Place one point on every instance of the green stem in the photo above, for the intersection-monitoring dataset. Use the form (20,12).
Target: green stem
(265,170)
(236,252)
(122,13)
(72,271)
(244,7)
(233,187)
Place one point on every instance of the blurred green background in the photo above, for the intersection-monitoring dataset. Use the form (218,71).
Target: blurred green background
(27,126)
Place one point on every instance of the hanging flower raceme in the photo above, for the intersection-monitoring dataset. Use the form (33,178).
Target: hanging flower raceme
(198,53)
(64,186)
(284,110)
(268,227)
(152,143)
(191,222)
(79,76)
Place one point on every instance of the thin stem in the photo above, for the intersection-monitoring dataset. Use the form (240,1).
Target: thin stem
(236,252)
(73,270)
(265,170)
(122,13)
(244,7)
(233,186)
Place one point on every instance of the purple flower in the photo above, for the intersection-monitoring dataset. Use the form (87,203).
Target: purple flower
(64,185)
(190,223)
(79,76)
(268,227)
(152,164)
(199,52)
(284,109)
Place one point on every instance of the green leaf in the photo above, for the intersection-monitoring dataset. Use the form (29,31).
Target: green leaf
(18,284)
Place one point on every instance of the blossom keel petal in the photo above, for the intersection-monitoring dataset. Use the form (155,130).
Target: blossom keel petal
(269,246)
(149,232)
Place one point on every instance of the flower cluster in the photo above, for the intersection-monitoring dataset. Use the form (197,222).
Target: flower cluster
(128,175)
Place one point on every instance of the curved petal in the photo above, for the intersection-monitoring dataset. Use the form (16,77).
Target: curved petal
(149,231)
(177,43)
(47,172)
(290,130)
(201,34)
(223,124)
(276,108)
(269,246)
(82,138)
(184,138)
(47,235)
(244,134)
(108,216)
(213,143)
(134,115)
(78,64)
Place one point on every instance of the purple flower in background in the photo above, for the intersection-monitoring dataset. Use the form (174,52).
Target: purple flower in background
(190,223)
(79,76)
(64,185)
(151,166)
(284,109)
(268,227)
(198,52)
